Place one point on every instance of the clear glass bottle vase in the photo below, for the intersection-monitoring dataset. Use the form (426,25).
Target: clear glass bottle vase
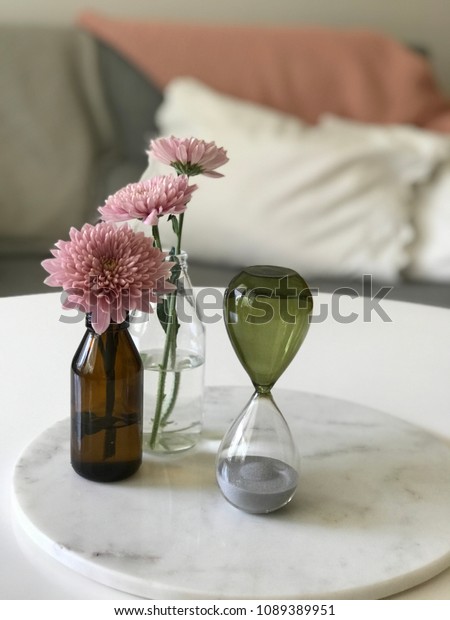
(171,343)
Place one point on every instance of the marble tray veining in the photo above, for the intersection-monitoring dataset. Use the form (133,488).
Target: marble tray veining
(371,515)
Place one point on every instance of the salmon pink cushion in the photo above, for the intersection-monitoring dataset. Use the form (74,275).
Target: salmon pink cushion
(304,71)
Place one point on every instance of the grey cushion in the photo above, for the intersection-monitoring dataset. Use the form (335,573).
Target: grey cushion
(55,133)
(133,101)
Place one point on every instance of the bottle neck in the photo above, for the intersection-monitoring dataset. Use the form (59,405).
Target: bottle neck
(181,259)
(112,326)
(179,272)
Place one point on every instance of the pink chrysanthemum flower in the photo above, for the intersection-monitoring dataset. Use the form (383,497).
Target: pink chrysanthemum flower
(189,155)
(107,271)
(149,200)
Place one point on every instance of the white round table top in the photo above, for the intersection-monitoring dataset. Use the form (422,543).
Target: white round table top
(369,519)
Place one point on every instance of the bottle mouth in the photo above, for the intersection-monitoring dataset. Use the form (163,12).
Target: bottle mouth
(171,254)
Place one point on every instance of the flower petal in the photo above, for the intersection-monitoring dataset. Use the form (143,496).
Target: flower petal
(190,155)
(105,268)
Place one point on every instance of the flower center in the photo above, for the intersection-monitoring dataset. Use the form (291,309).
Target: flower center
(109,264)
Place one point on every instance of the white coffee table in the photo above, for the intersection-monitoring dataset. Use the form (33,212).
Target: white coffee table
(399,367)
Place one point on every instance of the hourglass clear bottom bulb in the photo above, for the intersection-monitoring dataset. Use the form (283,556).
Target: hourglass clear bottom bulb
(257,461)
(257,484)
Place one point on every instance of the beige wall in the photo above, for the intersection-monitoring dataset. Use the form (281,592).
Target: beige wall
(423,21)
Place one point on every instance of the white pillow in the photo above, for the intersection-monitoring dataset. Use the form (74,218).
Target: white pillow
(330,200)
(430,254)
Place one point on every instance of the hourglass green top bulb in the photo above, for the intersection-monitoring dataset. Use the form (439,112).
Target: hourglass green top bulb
(267,312)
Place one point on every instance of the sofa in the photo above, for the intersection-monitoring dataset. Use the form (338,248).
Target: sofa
(338,141)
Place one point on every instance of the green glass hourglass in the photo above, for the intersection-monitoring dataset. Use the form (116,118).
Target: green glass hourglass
(266,312)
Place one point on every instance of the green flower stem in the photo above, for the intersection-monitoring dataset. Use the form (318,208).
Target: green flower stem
(170,349)
(173,399)
(176,386)
(169,346)
(180,232)
(156,237)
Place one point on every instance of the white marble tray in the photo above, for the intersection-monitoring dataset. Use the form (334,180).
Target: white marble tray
(370,517)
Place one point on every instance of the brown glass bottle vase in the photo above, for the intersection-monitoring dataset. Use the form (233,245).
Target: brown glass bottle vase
(106,405)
